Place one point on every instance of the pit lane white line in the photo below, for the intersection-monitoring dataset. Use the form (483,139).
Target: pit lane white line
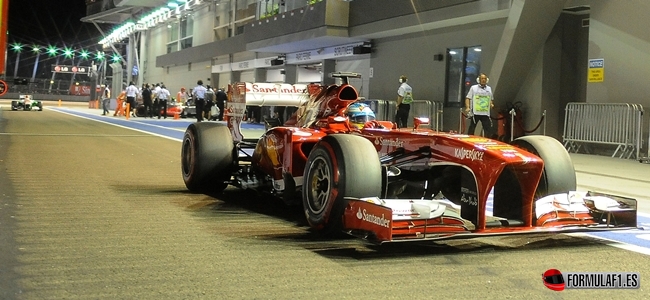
(63,111)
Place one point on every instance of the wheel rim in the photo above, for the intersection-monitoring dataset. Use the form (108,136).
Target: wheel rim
(320,186)
(188,156)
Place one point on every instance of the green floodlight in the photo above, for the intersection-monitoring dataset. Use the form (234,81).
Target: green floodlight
(100,55)
(17,47)
(67,52)
(36,49)
(51,50)
(84,54)
(116,58)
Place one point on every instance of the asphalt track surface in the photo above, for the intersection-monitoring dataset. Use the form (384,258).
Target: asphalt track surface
(90,210)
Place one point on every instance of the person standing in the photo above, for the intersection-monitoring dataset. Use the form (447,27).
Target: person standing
(154,95)
(163,95)
(209,102)
(221,102)
(131,93)
(106,100)
(119,108)
(199,99)
(478,103)
(404,100)
(147,101)
(181,97)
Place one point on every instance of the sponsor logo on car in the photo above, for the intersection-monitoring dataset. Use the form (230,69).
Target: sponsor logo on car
(472,154)
(389,142)
(370,218)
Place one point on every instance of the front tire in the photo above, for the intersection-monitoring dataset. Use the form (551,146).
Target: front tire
(207,157)
(339,166)
(558,176)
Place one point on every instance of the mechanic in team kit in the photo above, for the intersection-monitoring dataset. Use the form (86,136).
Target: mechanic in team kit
(154,95)
(404,100)
(163,95)
(478,103)
(199,96)
(147,101)
(221,102)
(131,93)
(119,108)
(209,102)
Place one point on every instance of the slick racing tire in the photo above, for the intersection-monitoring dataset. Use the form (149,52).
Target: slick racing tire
(558,176)
(339,166)
(14,105)
(207,157)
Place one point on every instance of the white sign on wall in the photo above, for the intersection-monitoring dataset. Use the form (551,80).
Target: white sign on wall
(243,65)
(322,53)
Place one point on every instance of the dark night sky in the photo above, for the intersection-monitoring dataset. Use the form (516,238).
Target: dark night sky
(50,22)
(47,22)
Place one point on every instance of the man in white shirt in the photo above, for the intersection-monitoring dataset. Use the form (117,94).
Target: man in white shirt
(163,95)
(199,96)
(131,93)
(478,103)
(404,100)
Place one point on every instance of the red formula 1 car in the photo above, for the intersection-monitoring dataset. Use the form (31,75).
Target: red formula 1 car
(388,185)
(172,110)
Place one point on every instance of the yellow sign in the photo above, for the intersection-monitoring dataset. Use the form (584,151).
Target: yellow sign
(596,75)
(596,70)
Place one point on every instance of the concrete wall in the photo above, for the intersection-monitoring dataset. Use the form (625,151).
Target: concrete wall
(203,24)
(557,76)
(412,55)
(618,34)
(156,45)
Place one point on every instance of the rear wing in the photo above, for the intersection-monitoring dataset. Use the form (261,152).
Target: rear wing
(242,94)
(273,94)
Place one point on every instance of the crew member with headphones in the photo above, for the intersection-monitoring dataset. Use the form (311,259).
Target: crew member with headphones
(404,100)
(478,103)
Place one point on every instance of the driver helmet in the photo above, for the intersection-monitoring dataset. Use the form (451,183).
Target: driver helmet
(359,114)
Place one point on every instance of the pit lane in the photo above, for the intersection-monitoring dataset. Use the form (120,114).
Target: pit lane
(92,208)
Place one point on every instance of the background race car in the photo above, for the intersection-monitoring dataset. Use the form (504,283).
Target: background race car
(172,110)
(26,102)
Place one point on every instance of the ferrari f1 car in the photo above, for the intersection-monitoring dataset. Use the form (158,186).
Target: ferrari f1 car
(389,185)
(172,110)
(26,102)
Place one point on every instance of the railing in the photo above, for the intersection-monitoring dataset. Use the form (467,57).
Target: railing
(646,159)
(617,124)
(385,111)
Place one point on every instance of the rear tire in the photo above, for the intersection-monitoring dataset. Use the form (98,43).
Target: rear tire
(339,166)
(207,157)
(14,105)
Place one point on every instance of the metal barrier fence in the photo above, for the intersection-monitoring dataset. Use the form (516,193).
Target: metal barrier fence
(616,124)
(385,111)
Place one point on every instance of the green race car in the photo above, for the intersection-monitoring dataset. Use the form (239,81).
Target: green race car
(26,102)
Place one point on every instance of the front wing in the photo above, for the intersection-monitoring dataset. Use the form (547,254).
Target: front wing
(402,220)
